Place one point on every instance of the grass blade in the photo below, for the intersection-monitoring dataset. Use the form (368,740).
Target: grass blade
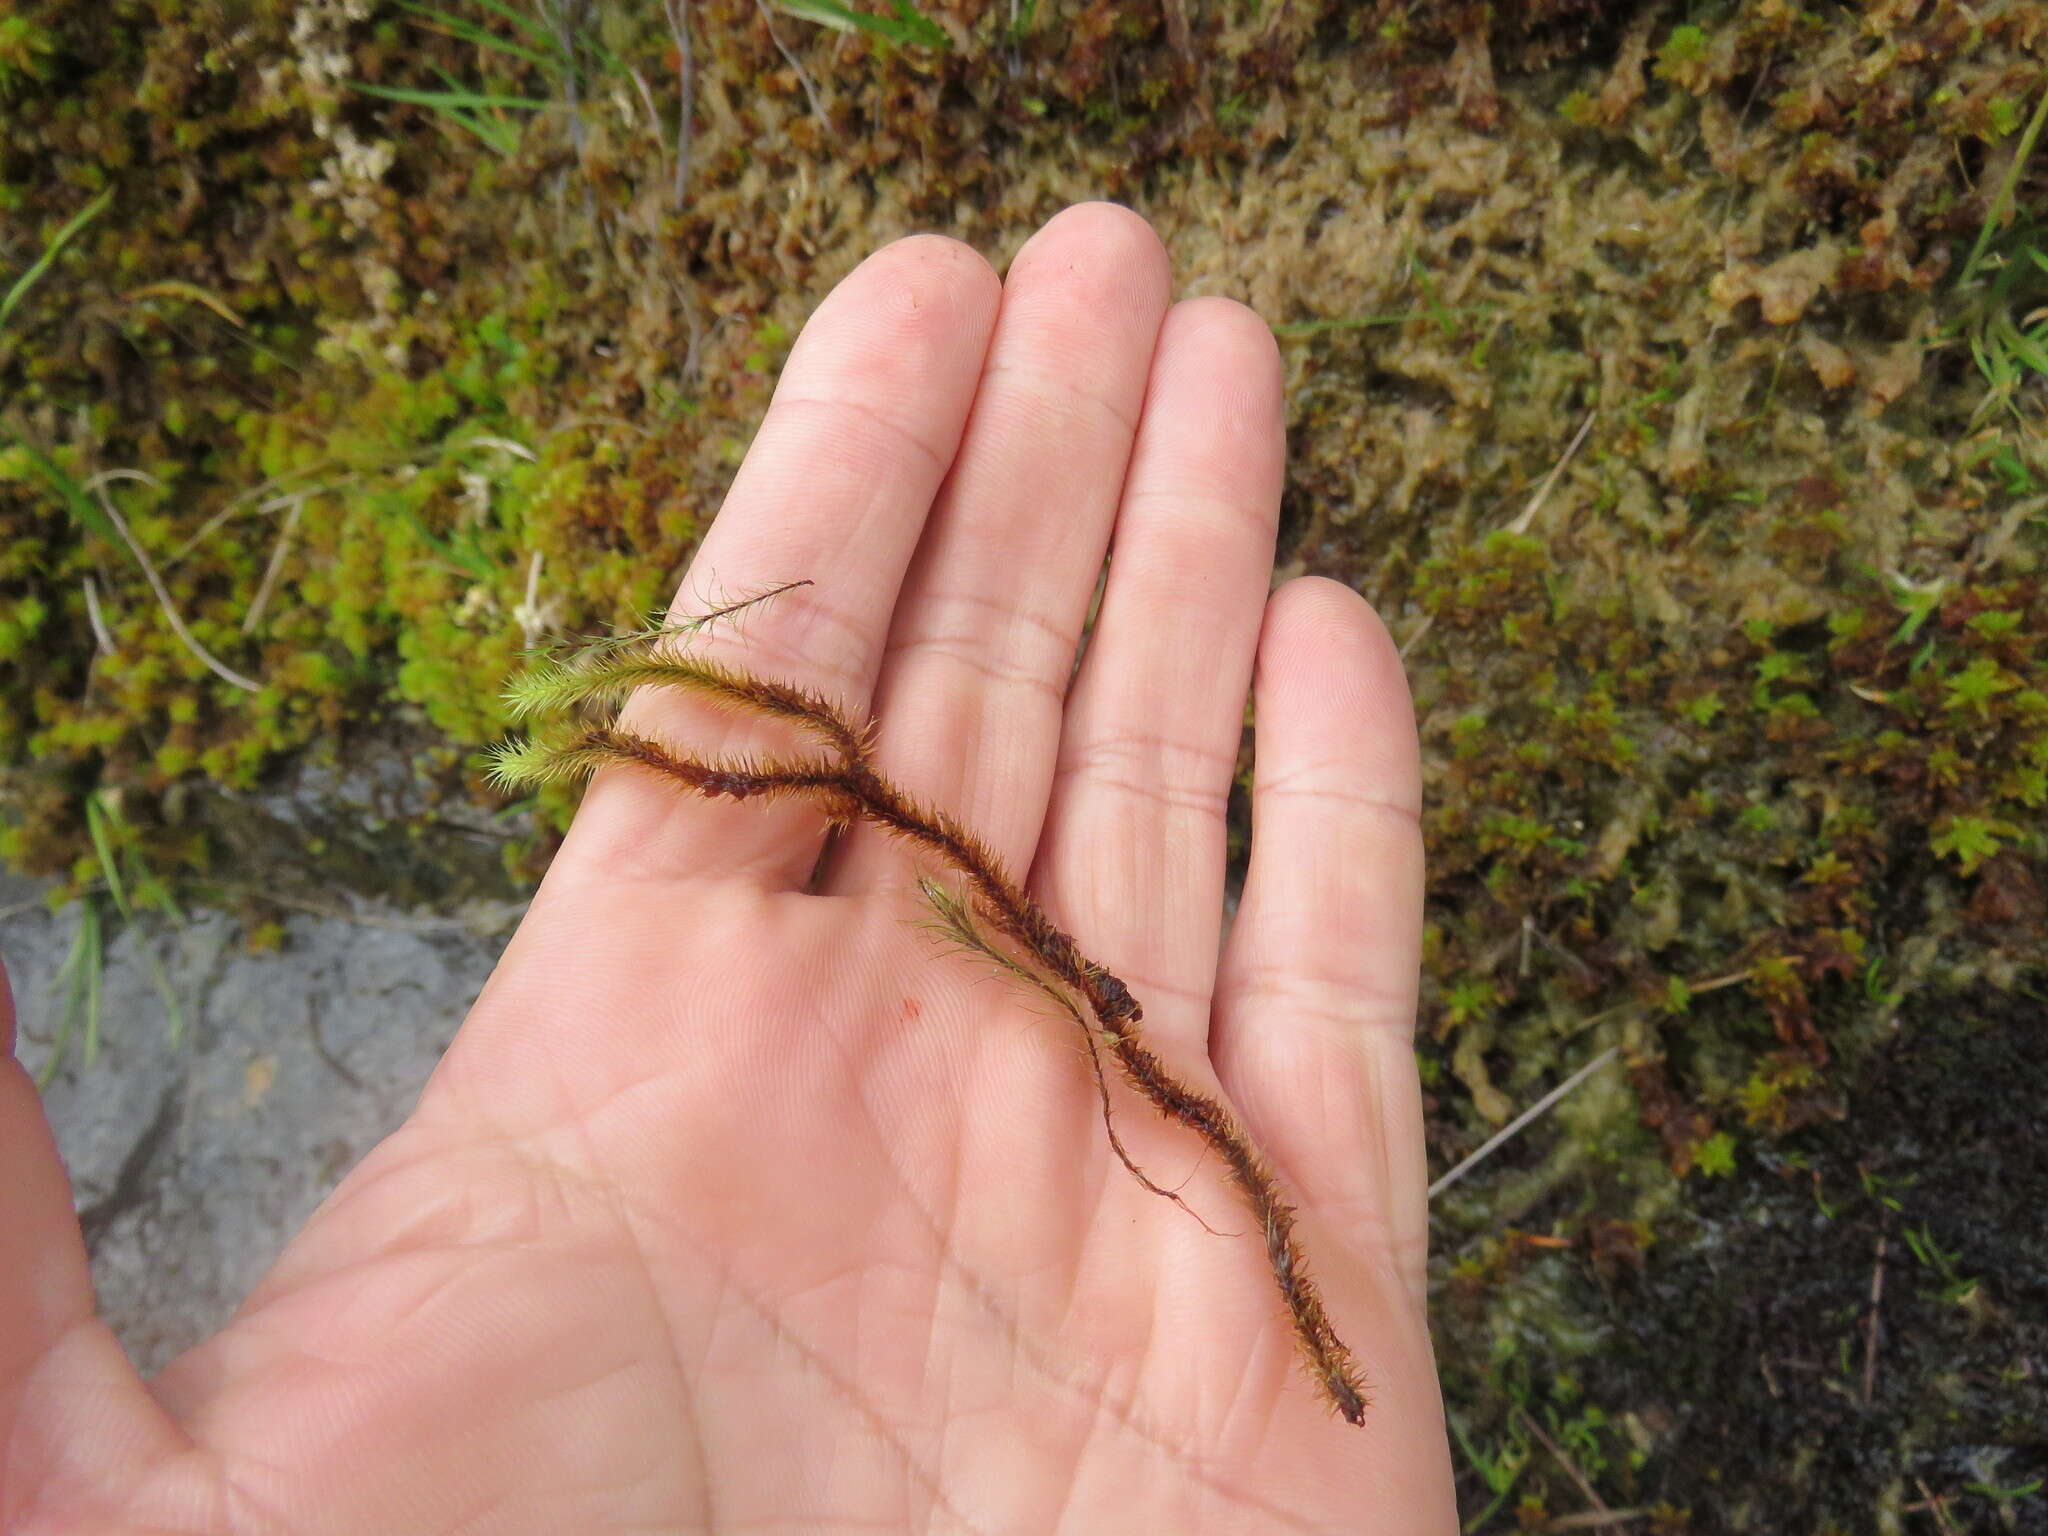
(453,101)
(62,238)
(70,978)
(84,961)
(482,37)
(90,934)
(2022,153)
(84,511)
(103,849)
(465,109)
(1295,328)
(535,30)
(909,26)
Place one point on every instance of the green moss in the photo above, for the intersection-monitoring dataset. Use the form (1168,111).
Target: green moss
(1735,727)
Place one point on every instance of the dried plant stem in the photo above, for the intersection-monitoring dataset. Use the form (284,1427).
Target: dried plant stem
(956,925)
(844,784)
(678,12)
(278,552)
(796,65)
(185,636)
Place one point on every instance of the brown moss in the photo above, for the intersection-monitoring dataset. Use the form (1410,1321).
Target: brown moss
(1733,735)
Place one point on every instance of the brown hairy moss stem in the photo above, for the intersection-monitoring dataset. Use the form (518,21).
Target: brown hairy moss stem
(847,788)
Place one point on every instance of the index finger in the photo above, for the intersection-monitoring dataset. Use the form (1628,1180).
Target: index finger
(834,490)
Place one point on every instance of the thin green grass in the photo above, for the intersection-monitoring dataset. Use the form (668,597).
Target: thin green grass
(482,113)
(2002,203)
(544,56)
(140,889)
(1446,318)
(2006,324)
(130,887)
(83,509)
(20,287)
(475,112)
(905,27)
(1294,329)
(1500,1471)
(78,979)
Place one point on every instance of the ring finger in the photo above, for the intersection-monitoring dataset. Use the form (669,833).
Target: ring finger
(983,645)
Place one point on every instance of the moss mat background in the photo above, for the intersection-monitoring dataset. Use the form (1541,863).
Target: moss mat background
(1669,375)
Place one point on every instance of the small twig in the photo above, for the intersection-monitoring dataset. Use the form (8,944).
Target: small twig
(503,445)
(103,641)
(1534,1112)
(1563,954)
(190,641)
(1521,524)
(110,476)
(1416,639)
(1571,1467)
(802,75)
(528,611)
(1734,979)
(276,566)
(1936,1505)
(1592,1519)
(678,12)
(1873,1328)
(1178,34)
(653,119)
(263,508)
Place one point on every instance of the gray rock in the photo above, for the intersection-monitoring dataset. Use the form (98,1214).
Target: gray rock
(193,1162)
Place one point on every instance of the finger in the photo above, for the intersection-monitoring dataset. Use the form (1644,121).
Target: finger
(1313,1033)
(1133,854)
(73,1413)
(983,646)
(834,490)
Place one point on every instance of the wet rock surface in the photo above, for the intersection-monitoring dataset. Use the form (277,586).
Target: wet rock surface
(193,1163)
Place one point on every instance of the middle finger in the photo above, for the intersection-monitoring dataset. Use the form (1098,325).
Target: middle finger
(982,646)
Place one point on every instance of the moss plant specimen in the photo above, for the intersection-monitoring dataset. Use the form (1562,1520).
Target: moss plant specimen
(991,916)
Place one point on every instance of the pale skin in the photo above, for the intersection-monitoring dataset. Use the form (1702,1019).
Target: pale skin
(738,1204)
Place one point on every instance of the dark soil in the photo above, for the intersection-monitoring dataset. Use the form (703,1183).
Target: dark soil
(1746,1350)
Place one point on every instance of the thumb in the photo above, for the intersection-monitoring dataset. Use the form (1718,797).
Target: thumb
(77,1426)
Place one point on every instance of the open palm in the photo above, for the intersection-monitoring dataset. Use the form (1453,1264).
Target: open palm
(740,1205)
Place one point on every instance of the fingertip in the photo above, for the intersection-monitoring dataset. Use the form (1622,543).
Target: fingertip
(926,292)
(1316,1006)
(940,260)
(1218,367)
(1104,242)
(1326,655)
(1233,333)
(1311,608)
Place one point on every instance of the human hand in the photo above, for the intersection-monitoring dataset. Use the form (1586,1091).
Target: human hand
(737,1204)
